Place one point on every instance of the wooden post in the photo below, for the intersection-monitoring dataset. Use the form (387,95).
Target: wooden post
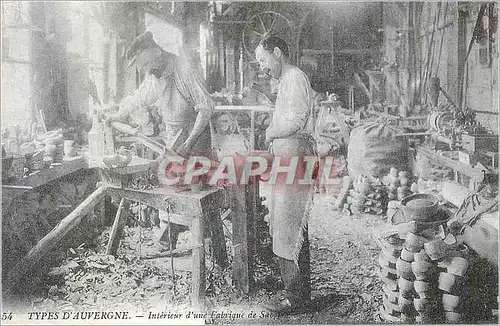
(198,273)
(52,238)
(118,224)
(251,206)
(218,240)
(240,238)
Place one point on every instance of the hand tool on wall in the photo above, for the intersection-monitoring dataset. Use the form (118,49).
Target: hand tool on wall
(475,35)
(435,89)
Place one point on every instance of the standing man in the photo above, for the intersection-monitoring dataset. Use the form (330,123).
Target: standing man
(289,135)
(180,96)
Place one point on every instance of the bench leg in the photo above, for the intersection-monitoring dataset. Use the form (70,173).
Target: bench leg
(218,239)
(118,224)
(198,272)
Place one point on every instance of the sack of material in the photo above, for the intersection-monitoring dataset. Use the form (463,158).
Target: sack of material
(374,149)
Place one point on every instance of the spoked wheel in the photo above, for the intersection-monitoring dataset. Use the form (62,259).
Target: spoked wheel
(264,24)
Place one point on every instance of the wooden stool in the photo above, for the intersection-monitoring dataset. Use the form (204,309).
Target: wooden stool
(192,209)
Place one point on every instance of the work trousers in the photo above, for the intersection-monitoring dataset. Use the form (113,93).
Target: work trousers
(297,279)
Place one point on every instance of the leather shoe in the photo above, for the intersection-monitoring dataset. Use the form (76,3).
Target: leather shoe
(283,303)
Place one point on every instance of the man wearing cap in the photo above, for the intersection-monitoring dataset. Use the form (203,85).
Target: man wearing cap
(180,96)
(172,85)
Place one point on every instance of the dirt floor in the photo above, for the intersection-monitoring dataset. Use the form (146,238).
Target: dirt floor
(345,285)
(344,277)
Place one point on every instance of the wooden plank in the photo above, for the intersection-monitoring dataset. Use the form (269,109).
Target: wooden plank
(117,229)
(45,176)
(178,252)
(198,281)
(183,205)
(43,246)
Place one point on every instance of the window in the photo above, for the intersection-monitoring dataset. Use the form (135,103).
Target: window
(204,37)
(16,63)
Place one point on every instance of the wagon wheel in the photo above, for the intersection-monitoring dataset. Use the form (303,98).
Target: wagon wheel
(264,24)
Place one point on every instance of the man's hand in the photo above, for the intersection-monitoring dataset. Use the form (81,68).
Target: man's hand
(270,135)
(115,116)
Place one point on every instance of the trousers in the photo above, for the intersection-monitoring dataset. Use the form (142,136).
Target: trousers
(297,279)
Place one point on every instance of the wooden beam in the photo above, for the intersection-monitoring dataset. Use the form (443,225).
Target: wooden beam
(43,246)
(232,9)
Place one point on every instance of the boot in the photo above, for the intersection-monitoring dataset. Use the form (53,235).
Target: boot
(297,293)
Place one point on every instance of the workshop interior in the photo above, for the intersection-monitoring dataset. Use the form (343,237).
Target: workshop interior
(403,218)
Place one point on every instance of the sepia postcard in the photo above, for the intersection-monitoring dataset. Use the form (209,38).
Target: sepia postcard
(249,162)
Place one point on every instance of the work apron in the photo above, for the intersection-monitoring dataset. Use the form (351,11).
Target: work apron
(290,204)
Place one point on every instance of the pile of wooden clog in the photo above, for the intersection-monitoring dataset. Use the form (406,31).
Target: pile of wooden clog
(391,250)
(364,195)
(431,268)
(398,184)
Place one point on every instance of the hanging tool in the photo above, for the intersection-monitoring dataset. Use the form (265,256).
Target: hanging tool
(435,89)
(475,35)
(431,52)
(442,39)
(363,87)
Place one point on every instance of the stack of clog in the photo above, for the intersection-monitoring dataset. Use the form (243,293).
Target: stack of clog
(391,250)
(430,249)
(367,196)
(398,184)
(452,283)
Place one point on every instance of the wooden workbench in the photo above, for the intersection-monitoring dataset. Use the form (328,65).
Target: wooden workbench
(189,208)
(475,176)
(16,188)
